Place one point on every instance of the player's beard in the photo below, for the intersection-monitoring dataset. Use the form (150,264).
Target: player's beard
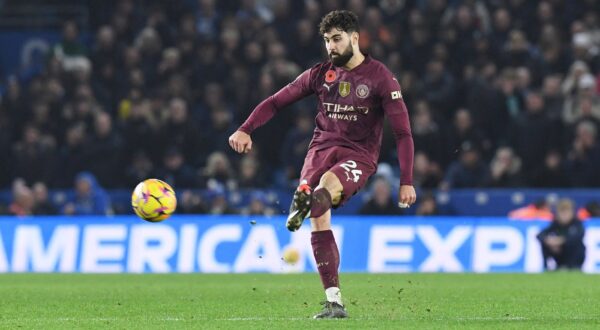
(343,58)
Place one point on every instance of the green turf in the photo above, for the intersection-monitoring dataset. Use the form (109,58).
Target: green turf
(557,300)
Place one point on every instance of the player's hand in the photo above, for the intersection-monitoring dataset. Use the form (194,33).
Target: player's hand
(407,196)
(240,142)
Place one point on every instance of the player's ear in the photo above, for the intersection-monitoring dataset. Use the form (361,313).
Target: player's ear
(354,36)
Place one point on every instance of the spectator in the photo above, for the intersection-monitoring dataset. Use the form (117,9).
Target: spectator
(218,203)
(41,118)
(258,205)
(295,146)
(106,50)
(191,203)
(532,133)
(584,159)
(426,133)
(570,84)
(467,172)
(209,67)
(463,131)
(207,19)
(553,98)
(140,169)
(517,51)
(562,241)
(140,128)
(555,58)
(89,198)
(150,44)
(511,98)
(505,169)
(73,156)
(33,156)
(524,79)
(13,104)
(426,174)
(43,205)
(104,150)
(417,46)
(70,51)
(427,206)
(218,171)
(23,200)
(501,27)
(181,132)
(249,175)
(307,49)
(489,105)
(170,64)
(584,102)
(438,88)
(221,127)
(175,171)
(552,174)
(584,47)
(381,201)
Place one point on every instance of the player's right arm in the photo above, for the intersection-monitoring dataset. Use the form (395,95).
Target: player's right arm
(241,141)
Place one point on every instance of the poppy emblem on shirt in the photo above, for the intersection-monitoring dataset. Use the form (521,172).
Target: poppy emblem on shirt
(344,88)
(362,91)
(330,76)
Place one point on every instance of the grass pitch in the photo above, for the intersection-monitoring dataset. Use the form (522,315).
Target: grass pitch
(43,301)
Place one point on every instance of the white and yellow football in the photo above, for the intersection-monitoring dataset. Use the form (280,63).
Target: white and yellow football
(291,255)
(153,200)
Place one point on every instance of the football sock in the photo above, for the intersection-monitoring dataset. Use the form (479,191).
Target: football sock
(327,257)
(321,202)
(333,294)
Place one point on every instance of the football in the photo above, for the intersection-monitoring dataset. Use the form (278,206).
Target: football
(291,255)
(153,200)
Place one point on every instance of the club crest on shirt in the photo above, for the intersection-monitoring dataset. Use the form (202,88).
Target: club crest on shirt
(344,88)
(362,91)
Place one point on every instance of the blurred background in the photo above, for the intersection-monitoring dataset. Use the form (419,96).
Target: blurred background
(96,96)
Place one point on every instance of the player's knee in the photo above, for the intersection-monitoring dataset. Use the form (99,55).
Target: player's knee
(332,183)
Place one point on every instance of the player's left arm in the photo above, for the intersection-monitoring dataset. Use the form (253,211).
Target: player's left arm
(397,114)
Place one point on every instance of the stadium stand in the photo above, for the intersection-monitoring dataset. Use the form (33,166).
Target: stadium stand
(501,95)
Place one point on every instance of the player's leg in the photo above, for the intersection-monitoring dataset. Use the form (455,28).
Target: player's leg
(327,194)
(332,192)
(307,203)
(327,257)
(325,250)
(337,182)
(316,163)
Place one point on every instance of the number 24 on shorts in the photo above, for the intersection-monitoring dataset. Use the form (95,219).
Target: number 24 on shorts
(350,167)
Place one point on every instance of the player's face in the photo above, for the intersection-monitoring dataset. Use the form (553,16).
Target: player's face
(339,47)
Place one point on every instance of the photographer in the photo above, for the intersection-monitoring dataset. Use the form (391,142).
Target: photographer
(563,239)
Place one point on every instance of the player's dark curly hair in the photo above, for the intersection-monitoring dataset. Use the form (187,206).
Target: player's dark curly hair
(344,20)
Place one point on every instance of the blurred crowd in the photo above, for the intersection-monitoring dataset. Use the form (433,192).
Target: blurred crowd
(500,93)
